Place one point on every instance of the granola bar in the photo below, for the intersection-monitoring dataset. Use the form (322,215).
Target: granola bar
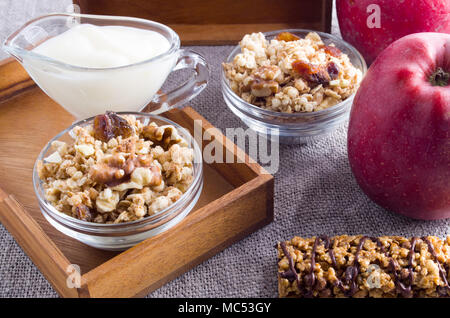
(289,74)
(362,266)
(117,170)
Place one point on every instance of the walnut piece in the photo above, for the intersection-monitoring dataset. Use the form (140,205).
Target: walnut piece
(115,169)
(163,136)
(263,88)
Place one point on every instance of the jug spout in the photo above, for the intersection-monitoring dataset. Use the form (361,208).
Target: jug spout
(14,53)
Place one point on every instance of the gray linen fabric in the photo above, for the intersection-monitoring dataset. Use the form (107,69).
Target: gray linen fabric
(315,193)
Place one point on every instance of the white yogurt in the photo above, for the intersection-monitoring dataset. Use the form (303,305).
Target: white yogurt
(87,92)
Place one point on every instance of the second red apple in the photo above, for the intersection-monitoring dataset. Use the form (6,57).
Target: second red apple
(371,25)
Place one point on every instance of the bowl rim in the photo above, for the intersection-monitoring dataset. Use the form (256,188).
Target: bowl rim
(336,40)
(198,175)
(14,49)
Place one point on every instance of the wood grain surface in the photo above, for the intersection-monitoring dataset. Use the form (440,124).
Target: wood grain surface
(12,80)
(200,22)
(226,211)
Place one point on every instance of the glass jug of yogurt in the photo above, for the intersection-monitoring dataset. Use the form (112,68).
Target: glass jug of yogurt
(90,64)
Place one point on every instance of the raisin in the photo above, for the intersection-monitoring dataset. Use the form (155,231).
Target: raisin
(333,70)
(83,212)
(331,50)
(103,128)
(111,125)
(287,36)
(311,73)
(120,125)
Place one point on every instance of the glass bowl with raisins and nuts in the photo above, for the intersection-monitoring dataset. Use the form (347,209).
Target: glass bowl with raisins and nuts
(295,84)
(114,180)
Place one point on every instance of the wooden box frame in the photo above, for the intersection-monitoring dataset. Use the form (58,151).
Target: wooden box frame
(216,22)
(227,210)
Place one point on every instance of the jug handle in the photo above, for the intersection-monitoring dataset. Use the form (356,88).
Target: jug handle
(179,96)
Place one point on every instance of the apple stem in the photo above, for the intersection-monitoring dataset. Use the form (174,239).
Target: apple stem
(439,77)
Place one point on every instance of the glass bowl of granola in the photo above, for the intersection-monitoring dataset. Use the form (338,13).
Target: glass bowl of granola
(294,84)
(114,180)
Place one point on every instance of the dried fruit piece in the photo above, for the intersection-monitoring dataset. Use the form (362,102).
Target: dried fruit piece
(120,125)
(83,212)
(333,70)
(287,36)
(103,128)
(331,50)
(111,125)
(311,73)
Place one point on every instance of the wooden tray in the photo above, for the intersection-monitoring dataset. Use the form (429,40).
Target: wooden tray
(203,22)
(237,199)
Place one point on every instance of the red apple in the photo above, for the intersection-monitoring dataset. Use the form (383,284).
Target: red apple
(399,130)
(397,18)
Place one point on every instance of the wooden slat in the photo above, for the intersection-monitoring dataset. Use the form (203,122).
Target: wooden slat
(13,79)
(44,253)
(234,174)
(327,12)
(202,12)
(231,34)
(200,22)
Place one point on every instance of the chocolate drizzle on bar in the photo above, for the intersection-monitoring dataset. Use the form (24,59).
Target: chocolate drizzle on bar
(291,274)
(310,278)
(442,290)
(405,289)
(348,282)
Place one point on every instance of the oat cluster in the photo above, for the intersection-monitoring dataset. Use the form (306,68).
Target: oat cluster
(117,171)
(289,74)
(359,266)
